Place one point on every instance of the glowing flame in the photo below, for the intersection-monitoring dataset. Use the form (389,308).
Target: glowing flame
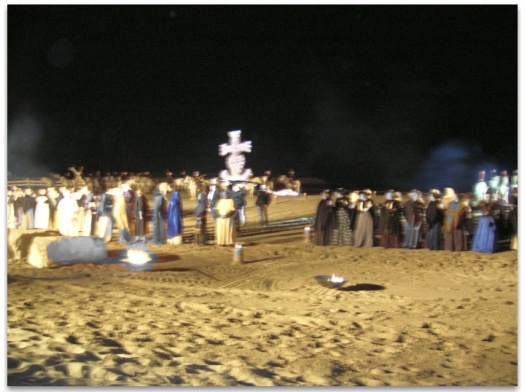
(136,256)
(336,278)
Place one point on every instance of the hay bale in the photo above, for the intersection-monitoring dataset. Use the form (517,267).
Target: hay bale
(48,252)
(37,256)
(19,241)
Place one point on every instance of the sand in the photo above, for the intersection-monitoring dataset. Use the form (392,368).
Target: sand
(404,318)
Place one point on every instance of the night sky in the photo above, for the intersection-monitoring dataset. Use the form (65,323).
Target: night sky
(361,96)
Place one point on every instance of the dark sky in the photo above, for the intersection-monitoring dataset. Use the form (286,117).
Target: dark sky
(362,96)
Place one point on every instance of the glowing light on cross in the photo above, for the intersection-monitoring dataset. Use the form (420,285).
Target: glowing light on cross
(235,160)
(235,146)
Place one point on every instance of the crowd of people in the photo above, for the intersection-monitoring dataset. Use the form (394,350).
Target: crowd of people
(444,221)
(447,221)
(81,211)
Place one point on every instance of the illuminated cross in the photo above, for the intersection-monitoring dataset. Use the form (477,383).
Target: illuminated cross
(235,147)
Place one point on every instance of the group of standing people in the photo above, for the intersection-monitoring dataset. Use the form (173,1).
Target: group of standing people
(444,222)
(81,212)
(78,211)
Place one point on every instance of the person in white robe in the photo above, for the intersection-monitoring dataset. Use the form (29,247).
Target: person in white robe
(67,211)
(42,210)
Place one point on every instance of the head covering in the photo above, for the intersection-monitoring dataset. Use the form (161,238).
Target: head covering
(448,197)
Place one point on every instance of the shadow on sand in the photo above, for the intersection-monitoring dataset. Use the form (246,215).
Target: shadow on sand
(363,287)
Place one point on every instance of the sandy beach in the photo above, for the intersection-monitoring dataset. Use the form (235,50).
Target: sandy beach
(404,318)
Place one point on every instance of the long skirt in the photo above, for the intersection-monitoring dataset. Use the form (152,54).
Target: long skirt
(322,237)
(412,235)
(225,231)
(456,240)
(200,231)
(105,228)
(389,240)
(486,237)
(435,238)
(42,216)
(342,234)
(364,231)
(27,220)
(86,228)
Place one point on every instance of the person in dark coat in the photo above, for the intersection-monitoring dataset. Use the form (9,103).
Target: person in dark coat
(175,226)
(105,219)
(389,222)
(140,210)
(200,213)
(263,201)
(435,215)
(213,197)
(159,215)
(323,225)
(27,204)
(342,232)
(238,194)
(413,212)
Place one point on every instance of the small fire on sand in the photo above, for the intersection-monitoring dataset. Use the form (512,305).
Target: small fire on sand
(336,278)
(137,257)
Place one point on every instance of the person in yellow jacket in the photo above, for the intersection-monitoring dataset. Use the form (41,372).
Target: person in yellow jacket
(225,229)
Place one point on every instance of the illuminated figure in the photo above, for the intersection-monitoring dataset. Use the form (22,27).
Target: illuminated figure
(235,161)
(42,210)
(504,186)
(494,183)
(480,188)
(67,209)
